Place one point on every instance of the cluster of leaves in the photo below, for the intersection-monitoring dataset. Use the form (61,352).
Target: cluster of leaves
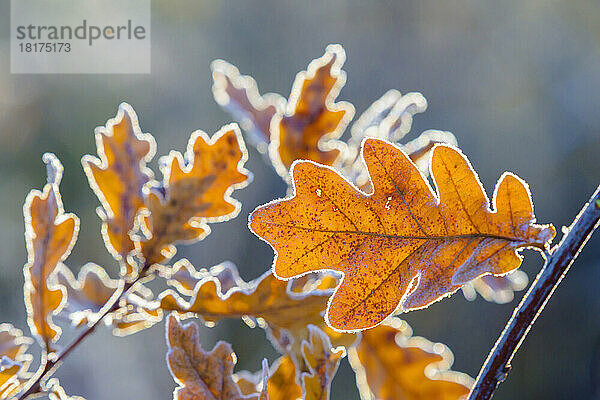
(361,237)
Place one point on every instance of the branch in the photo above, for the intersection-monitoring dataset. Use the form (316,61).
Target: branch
(496,367)
(51,365)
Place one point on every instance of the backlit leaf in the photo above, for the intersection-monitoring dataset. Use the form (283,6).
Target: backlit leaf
(117,177)
(392,365)
(91,291)
(50,235)
(313,121)
(195,190)
(239,95)
(401,246)
(282,383)
(9,381)
(322,361)
(201,375)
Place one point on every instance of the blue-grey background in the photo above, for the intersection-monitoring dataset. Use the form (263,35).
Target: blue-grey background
(518,83)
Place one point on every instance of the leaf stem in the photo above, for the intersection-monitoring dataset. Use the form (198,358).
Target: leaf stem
(49,365)
(498,364)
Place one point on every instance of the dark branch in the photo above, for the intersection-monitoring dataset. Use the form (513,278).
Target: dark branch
(497,365)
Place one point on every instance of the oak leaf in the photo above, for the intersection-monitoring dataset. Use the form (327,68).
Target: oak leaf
(392,365)
(201,375)
(401,246)
(313,121)
(322,361)
(266,301)
(239,95)
(50,235)
(195,190)
(117,177)
(92,289)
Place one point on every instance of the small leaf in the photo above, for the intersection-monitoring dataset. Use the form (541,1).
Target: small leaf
(92,289)
(201,375)
(313,121)
(195,190)
(402,245)
(322,361)
(239,95)
(117,177)
(50,235)
(392,365)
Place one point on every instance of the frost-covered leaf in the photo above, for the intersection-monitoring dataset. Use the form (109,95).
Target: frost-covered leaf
(201,375)
(196,190)
(313,121)
(403,245)
(117,177)
(390,364)
(88,294)
(239,95)
(50,235)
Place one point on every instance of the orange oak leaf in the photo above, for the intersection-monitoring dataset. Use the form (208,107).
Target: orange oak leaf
(239,95)
(401,246)
(117,177)
(91,291)
(195,190)
(392,365)
(313,121)
(322,361)
(50,235)
(267,302)
(201,375)
(14,361)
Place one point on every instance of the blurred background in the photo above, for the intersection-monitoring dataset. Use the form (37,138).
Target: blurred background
(517,82)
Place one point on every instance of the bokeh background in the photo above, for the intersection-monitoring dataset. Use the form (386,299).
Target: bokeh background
(517,82)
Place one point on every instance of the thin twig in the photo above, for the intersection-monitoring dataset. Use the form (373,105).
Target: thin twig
(497,365)
(50,365)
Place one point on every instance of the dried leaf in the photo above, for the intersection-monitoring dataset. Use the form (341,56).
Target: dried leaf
(322,361)
(50,235)
(117,177)
(402,245)
(195,190)
(201,375)
(239,95)
(266,301)
(313,121)
(91,291)
(392,365)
